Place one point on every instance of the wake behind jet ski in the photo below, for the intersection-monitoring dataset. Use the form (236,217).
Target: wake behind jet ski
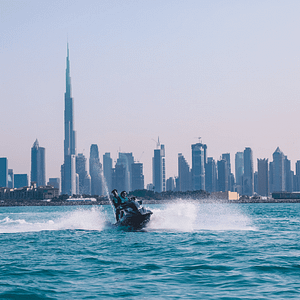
(129,212)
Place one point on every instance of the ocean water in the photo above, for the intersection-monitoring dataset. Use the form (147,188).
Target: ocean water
(188,251)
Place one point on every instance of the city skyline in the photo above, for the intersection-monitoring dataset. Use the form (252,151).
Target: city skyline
(199,70)
(127,174)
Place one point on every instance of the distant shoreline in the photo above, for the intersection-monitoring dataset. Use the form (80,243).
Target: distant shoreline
(12,203)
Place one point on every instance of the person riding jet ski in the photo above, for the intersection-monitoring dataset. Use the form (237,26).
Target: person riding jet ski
(129,211)
(118,201)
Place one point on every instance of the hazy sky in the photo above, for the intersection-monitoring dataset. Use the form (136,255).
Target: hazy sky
(226,71)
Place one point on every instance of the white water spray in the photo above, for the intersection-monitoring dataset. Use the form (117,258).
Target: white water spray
(191,216)
(91,219)
(107,193)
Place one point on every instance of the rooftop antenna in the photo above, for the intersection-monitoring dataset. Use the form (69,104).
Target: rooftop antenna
(199,139)
(157,143)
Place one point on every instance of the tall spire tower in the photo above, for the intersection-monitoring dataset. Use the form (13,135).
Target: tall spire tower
(68,170)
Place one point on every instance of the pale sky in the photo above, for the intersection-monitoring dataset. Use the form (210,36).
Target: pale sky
(225,71)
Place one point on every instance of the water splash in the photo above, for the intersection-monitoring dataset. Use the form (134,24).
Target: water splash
(106,191)
(190,216)
(92,219)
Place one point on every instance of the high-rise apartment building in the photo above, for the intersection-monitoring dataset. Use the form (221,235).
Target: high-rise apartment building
(262,177)
(248,177)
(271,177)
(137,176)
(184,175)
(198,166)
(288,174)
(68,169)
(119,178)
(95,171)
(38,164)
(170,184)
(84,179)
(239,171)
(126,159)
(226,156)
(297,177)
(159,169)
(222,175)
(278,171)
(211,176)
(3,172)
(163,153)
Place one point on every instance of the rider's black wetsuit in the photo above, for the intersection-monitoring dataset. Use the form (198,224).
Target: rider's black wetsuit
(117,203)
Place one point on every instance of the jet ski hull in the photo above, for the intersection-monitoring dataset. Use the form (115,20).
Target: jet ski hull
(135,221)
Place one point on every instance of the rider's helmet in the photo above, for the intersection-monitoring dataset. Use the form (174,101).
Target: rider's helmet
(115,192)
(123,194)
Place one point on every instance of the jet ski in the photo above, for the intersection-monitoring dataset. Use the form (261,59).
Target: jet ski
(129,212)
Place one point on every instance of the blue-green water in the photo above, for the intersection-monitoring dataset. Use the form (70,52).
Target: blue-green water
(189,251)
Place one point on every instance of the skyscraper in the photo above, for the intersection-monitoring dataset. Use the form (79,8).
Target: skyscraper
(271,177)
(126,159)
(170,184)
(222,175)
(288,174)
(38,166)
(68,171)
(297,181)
(163,154)
(84,178)
(226,156)
(248,178)
(119,177)
(278,171)
(198,166)
(3,172)
(158,169)
(184,174)
(137,176)
(211,177)
(239,170)
(263,177)
(95,171)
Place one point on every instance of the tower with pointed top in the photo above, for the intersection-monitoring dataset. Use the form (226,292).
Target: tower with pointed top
(278,171)
(68,169)
(159,168)
(38,164)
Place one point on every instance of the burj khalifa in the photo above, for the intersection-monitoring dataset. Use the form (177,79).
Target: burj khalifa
(68,169)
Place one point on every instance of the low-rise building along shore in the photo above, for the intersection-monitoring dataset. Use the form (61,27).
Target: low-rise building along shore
(29,193)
